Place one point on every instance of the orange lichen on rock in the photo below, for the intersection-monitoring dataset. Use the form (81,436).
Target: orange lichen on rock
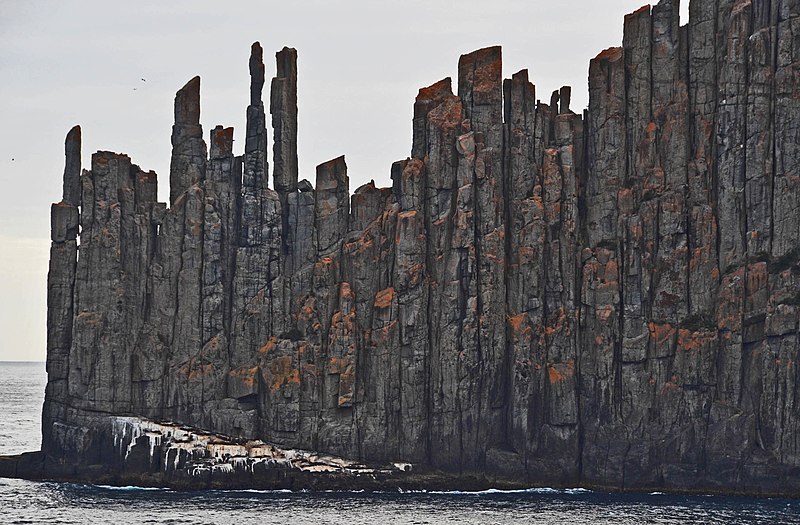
(359,245)
(561,323)
(380,336)
(559,372)
(448,115)
(347,379)
(281,373)
(661,333)
(435,91)
(384,298)
(246,375)
(604,313)
(638,12)
(516,323)
(488,68)
(611,54)
(325,261)
(214,344)
(695,341)
(337,365)
(268,346)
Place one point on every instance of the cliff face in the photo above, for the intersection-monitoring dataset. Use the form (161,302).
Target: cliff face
(607,299)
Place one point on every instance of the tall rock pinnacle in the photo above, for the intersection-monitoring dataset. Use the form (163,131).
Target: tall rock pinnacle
(256,73)
(72,167)
(256,169)
(188,148)
(65,221)
(283,107)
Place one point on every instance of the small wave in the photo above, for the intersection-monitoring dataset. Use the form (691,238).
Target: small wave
(537,490)
(486,492)
(577,491)
(128,488)
(259,491)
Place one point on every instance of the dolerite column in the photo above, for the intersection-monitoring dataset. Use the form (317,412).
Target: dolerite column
(669,113)
(703,271)
(438,116)
(543,161)
(410,294)
(561,163)
(786,235)
(482,201)
(731,138)
(65,218)
(221,235)
(296,206)
(438,120)
(525,241)
(142,220)
(259,235)
(333,304)
(783,419)
(731,135)
(188,163)
(373,215)
(642,179)
(283,108)
(183,238)
(663,246)
(257,286)
(601,343)
(408,317)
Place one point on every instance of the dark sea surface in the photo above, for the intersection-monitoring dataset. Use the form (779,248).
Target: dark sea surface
(22,391)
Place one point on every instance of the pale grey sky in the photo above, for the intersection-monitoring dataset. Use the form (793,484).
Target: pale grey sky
(360,65)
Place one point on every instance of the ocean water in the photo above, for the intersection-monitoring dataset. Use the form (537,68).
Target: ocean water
(22,502)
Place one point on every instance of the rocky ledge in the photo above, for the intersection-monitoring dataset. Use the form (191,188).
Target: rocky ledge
(161,454)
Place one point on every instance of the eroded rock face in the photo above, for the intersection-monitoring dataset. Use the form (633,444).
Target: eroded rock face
(606,299)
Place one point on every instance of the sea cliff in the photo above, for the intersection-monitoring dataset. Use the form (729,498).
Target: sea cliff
(543,297)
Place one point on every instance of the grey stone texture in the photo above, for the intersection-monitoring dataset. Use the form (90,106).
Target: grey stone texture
(606,299)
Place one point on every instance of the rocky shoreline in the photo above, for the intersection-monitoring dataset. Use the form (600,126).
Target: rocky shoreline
(161,454)
(153,454)
(36,466)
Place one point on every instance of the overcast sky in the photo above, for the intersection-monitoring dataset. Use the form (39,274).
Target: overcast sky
(360,63)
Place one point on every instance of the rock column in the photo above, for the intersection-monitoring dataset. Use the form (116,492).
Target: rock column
(65,219)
